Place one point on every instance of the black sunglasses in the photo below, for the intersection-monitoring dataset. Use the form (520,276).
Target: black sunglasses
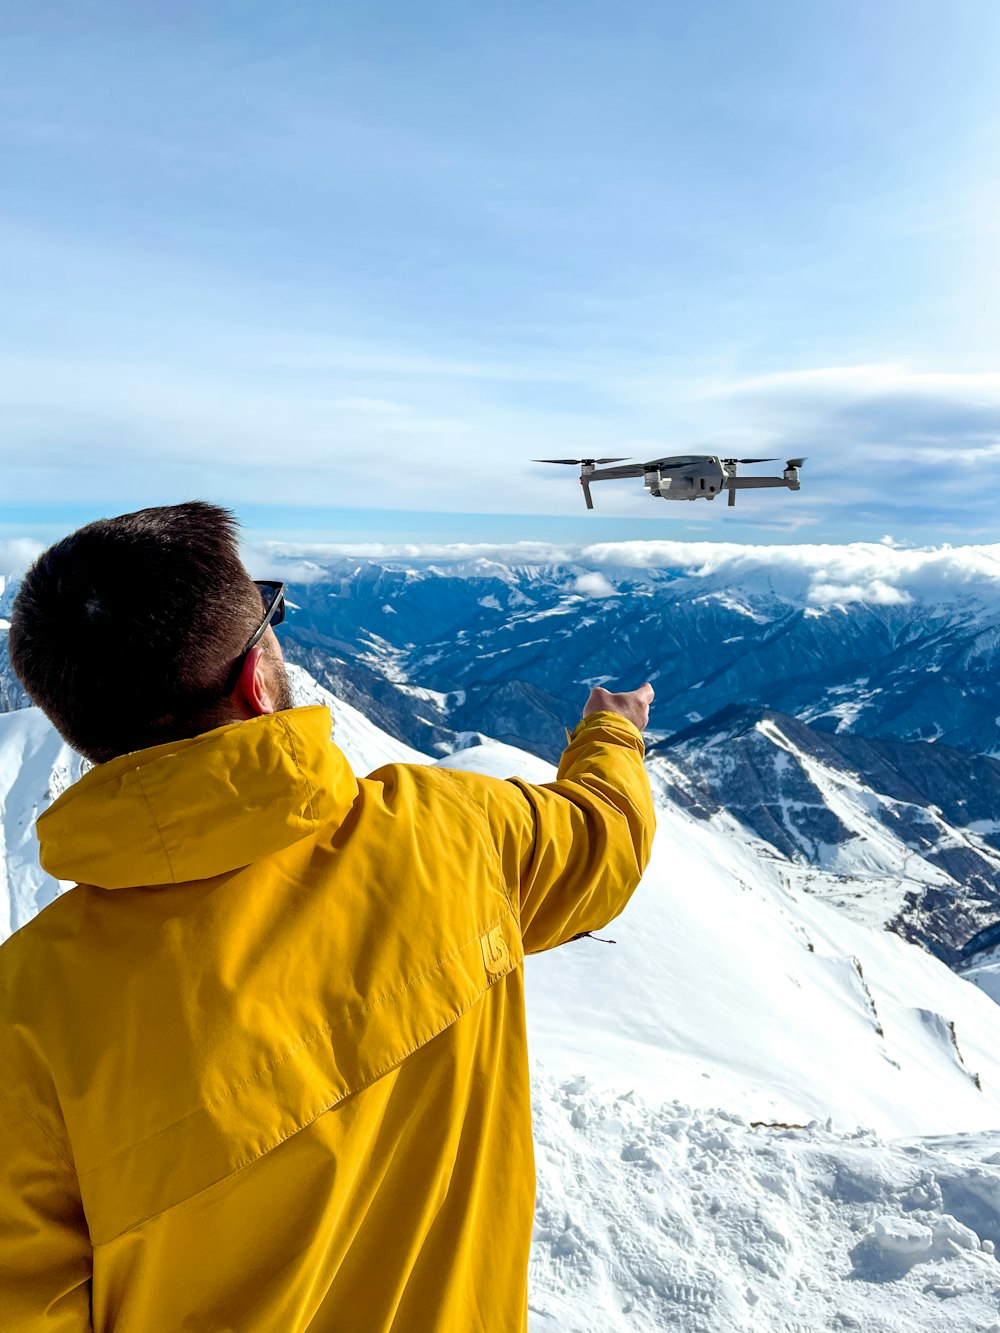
(272,594)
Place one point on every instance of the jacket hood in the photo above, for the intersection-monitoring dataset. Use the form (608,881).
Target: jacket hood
(201,807)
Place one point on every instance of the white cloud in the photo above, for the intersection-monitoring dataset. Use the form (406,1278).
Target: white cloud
(521,553)
(594,585)
(277,422)
(820,576)
(876,593)
(17,554)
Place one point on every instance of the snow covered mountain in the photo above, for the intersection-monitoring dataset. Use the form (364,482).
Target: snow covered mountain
(700,1084)
(36,766)
(12,694)
(906,831)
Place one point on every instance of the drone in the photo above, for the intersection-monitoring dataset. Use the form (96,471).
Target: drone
(682,476)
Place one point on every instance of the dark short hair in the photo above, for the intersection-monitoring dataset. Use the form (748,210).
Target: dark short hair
(123,633)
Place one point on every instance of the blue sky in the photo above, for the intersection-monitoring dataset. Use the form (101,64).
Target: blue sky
(349,268)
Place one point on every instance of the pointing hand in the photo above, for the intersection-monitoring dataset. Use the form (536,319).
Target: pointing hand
(634,705)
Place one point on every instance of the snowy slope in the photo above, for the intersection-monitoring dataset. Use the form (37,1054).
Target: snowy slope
(729,990)
(365,746)
(726,989)
(36,766)
(905,830)
(657,1216)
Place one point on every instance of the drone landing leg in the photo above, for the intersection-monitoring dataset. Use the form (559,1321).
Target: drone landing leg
(732,497)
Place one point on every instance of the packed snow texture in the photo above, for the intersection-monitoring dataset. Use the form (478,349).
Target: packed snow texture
(658,1216)
(729,998)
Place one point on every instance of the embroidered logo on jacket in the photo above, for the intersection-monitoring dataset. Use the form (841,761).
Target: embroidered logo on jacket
(496,955)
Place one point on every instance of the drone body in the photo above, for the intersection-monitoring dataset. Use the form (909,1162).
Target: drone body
(683,476)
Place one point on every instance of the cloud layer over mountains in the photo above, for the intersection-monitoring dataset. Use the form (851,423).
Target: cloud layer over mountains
(822,576)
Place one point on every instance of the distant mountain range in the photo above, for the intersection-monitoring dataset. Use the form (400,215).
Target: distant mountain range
(434,649)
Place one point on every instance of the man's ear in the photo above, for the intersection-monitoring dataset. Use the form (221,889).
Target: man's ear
(251,692)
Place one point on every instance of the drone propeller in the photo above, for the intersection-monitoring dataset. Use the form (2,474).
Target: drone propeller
(593,462)
(749,460)
(795,462)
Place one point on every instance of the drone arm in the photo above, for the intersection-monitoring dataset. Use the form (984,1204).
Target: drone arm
(734,484)
(613,473)
(756,483)
(607,474)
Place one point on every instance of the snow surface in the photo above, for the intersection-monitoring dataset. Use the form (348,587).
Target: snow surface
(986,975)
(726,988)
(657,1216)
(729,998)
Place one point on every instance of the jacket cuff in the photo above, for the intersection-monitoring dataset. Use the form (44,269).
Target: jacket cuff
(608,721)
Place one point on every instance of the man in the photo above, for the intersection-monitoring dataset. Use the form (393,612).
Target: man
(265,1068)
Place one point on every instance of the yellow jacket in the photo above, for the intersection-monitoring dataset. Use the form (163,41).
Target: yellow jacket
(265,1068)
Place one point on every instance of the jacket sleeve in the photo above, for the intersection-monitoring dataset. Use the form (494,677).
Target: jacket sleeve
(572,851)
(45,1251)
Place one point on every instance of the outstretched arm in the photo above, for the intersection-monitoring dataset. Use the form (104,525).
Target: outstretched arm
(573,850)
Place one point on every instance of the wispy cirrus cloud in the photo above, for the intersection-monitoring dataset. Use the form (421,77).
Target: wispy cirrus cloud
(887,443)
(863,381)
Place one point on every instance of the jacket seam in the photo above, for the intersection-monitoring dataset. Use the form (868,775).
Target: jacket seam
(154,822)
(298,768)
(487,832)
(232,1089)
